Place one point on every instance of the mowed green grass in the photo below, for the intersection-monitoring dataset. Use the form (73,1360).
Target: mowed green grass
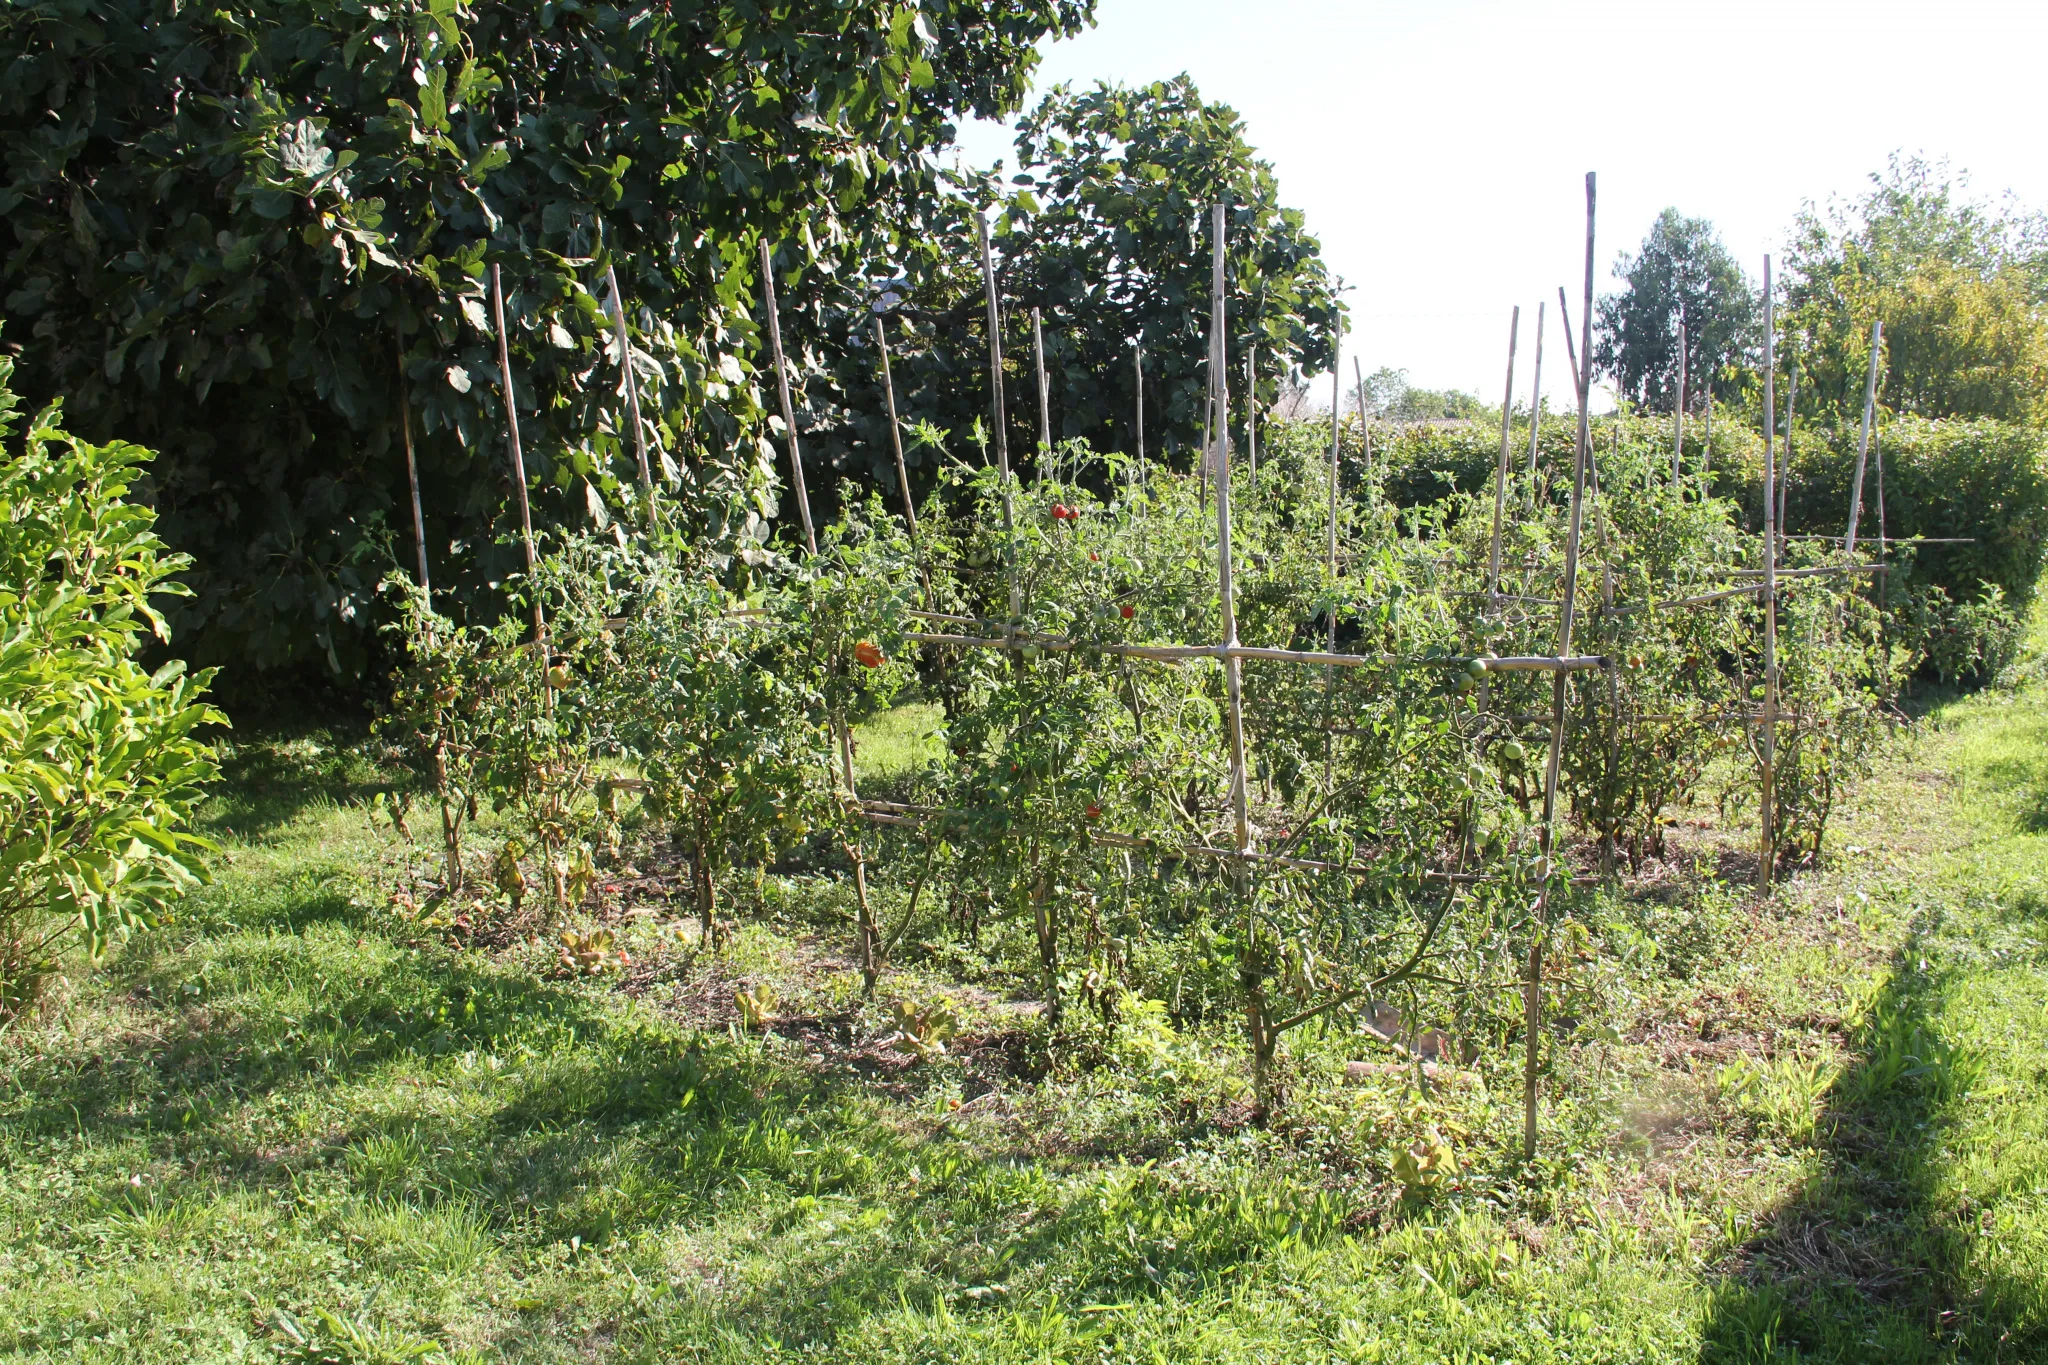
(296,1126)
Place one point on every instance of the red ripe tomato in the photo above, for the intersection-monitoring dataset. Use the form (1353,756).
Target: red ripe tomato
(1127,611)
(1094,812)
(869,655)
(1094,556)
(1062,512)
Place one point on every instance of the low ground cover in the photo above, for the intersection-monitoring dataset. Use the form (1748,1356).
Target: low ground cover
(311,1121)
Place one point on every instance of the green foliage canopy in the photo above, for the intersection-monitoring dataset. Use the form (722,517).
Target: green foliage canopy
(227,222)
(1681,267)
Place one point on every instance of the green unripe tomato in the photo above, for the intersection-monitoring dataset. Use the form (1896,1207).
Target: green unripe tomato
(1475,668)
(1463,685)
(1477,775)
(1513,752)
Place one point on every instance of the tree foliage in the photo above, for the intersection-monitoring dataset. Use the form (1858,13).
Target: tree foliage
(1104,228)
(1962,290)
(228,222)
(1681,268)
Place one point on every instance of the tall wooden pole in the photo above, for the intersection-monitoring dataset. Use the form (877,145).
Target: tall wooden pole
(1364,423)
(1707,444)
(1044,392)
(540,626)
(1785,465)
(1251,411)
(412,476)
(796,462)
(1336,431)
(1000,414)
(1500,472)
(1536,397)
(1678,409)
(1863,441)
(611,280)
(1532,982)
(896,431)
(1138,403)
(1767,844)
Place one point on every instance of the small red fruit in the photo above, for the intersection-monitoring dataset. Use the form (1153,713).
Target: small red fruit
(1062,512)
(868,655)
(1094,812)
(1127,611)
(1094,556)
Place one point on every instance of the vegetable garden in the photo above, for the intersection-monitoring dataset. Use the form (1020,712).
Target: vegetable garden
(1247,743)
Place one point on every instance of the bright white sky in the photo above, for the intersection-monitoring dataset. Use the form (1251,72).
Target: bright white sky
(1439,147)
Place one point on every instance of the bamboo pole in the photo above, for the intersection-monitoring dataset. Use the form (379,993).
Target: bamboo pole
(1707,444)
(1044,393)
(611,280)
(1532,982)
(437,756)
(1336,433)
(1536,397)
(1251,411)
(1767,847)
(1571,354)
(540,626)
(1053,644)
(1364,425)
(1258,1025)
(1001,416)
(1863,441)
(896,433)
(1500,472)
(1791,415)
(796,463)
(1678,409)
(1138,403)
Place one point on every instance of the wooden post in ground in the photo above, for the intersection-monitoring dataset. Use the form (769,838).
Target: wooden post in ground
(611,280)
(1678,409)
(1044,394)
(796,462)
(1707,444)
(1001,417)
(1262,1036)
(437,756)
(1767,852)
(1536,398)
(1251,411)
(540,626)
(1138,403)
(1863,441)
(1500,471)
(1785,465)
(1364,426)
(896,432)
(1532,979)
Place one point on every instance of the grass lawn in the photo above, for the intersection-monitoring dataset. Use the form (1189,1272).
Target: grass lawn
(304,1123)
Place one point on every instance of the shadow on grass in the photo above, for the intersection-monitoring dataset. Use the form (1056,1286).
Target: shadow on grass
(271,778)
(1871,1261)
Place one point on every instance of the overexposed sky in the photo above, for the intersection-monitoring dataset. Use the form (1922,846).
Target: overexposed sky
(1439,147)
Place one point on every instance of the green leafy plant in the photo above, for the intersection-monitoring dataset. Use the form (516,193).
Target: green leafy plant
(101,763)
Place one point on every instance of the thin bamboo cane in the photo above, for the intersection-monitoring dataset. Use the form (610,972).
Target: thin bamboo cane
(1532,984)
(1678,409)
(1707,444)
(1791,415)
(1002,437)
(1053,644)
(896,433)
(1330,560)
(1251,411)
(451,823)
(1500,472)
(1571,353)
(1138,404)
(1536,397)
(796,462)
(540,627)
(1767,846)
(611,280)
(1044,392)
(1863,441)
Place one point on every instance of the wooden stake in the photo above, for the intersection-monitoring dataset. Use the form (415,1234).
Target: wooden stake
(540,625)
(1863,441)
(412,476)
(796,463)
(1251,411)
(1138,403)
(451,821)
(1532,981)
(1571,353)
(1001,415)
(1044,393)
(896,432)
(1500,472)
(1536,398)
(632,390)
(1767,847)
(1707,444)
(1791,415)
(1678,409)
(1364,424)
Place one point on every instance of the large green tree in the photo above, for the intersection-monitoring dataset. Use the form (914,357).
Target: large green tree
(1681,268)
(1103,226)
(230,227)
(1962,289)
